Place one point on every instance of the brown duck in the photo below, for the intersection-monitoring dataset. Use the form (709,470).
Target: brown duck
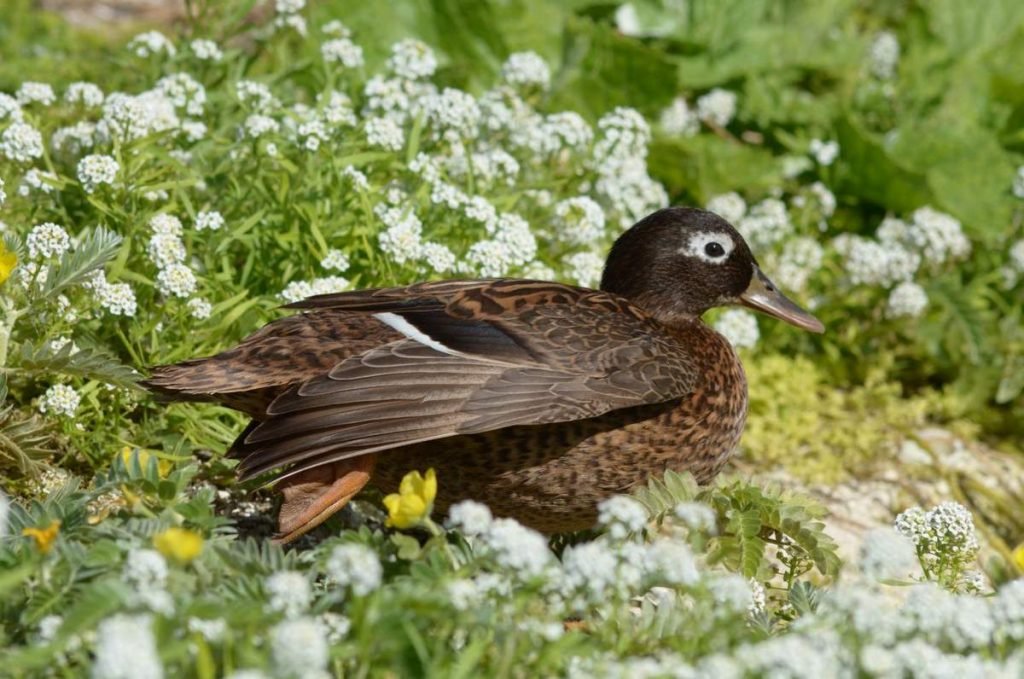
(537,398)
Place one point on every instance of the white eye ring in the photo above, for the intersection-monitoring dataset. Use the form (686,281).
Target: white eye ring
(699,242)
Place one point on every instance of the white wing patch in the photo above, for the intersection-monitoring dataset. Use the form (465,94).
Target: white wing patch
(699,241)
(399,324)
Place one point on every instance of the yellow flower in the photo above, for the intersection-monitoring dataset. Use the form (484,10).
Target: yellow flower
(413,501)
(8,260)
(1018,557)
(180,544)
(163,467)
(44,537)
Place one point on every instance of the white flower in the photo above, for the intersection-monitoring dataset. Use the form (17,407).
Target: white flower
(10,108)
(357,178)
(73,139)
(621,515)
(146,571)
(1018,182)
(887,555)
(97,169)
(800,259)
(939,236)
(452,110)
(729,206)
(257,125)
(289,593)
(907,300)
(3,194)
(591,569)
(21,143)
(874,263)
(739,327)
(884,55)
(472,518)
(335,260)
(31,92)
(255,95)
(212,630)
(183,91)
(585,268)
(199,308)
(295,22)
(826,199)
(165,248)
(526,69)
(520,550)
(336,626)
(209,219)
(356,566)
(732,592)
(623,134)
(947,529)
(47,240)
(206,50)
(176,279)
(126,649)
(679,120)
(696,516)
(438,257)
(342,51)
(60,399)
(384,133)
(824,152)
(412,60)
(1008,612)
(767,223)
(36,180)
(671,562)
(289,6)
(490,258)
(116,298)
(299,648)
(336,28)
(150,43)
(579,221)
(717,107)
(297,290)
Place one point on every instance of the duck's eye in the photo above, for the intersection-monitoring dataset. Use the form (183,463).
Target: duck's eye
(714,249)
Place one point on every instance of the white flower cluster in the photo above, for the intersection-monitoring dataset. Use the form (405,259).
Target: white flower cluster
(679,120)
(884,55)
(36,180)
(696,516)
(287,15)
(906,300)
(516,548)
(95,170)
(412,60)
(1018,183)
(938,235)
(146,571)
(35,93)
(717,107)
(86,94)
(47,240)
(126,649)
(766,224)
(579,221)
(299,648)
(739,327)
(288,593)
(184,91)
(206,50)
(621,516)
(469,517)
(60,399)
(585,268)
(800,259)
(948,527)
(729,206)
(298,290)
(209,220)
(116,298)
(151,43)
(526,70)
(335,260)
(167,252)
(356,566)
(21,143)
(824,152)
(342,51)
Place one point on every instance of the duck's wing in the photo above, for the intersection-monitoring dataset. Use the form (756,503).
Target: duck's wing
(476,356)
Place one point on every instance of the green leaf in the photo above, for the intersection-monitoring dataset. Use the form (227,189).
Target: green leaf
(88,363)
(95,249)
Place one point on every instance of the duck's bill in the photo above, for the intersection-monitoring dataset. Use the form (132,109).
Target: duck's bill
(765,296)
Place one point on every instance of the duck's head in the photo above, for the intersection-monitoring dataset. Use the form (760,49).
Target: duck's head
(682,261)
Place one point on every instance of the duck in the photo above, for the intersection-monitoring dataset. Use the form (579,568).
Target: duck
(539,399)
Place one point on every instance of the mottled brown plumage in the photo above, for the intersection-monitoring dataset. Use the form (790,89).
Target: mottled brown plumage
(537,398)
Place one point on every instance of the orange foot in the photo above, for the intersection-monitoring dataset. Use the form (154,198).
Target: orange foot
(313,496)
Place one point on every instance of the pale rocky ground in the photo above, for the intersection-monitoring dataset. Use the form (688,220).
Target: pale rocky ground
(932,467)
